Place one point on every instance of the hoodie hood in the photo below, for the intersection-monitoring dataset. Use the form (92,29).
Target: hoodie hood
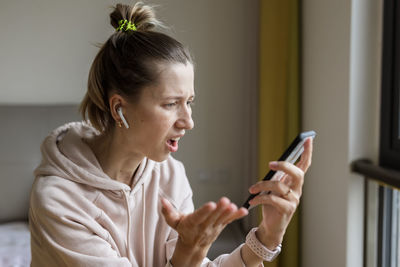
(66,155)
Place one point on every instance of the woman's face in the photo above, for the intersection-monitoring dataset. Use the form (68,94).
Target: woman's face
(162,114)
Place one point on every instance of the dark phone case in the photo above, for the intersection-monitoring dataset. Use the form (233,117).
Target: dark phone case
(302,136)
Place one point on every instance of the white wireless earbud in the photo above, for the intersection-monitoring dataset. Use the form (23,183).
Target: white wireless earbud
(119,110)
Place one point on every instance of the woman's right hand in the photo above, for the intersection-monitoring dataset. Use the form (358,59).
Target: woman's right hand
(198,230)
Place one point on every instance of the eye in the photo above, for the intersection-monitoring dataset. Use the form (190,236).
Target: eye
(190,103)
(170,105)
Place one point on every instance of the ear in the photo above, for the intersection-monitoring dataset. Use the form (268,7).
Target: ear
(116,101)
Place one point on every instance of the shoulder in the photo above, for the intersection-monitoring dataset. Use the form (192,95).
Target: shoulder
(55,195)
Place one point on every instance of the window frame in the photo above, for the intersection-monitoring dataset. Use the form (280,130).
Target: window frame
(389,149)
(389,154)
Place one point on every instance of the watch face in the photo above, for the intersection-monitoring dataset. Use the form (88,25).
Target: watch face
(274,253)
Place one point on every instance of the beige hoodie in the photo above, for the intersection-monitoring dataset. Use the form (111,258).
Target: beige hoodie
(81,217)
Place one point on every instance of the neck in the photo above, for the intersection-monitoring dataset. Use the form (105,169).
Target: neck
(114,156)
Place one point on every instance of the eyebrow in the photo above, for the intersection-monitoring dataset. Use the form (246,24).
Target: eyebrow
(175,97)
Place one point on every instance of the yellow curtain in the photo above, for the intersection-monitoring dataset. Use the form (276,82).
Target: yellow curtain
(279,98)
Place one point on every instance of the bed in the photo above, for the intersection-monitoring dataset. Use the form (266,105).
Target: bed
(14,244)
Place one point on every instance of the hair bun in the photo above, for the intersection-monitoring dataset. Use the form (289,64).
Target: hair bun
(141,15)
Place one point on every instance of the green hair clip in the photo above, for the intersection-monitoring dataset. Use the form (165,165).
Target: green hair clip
(125,25)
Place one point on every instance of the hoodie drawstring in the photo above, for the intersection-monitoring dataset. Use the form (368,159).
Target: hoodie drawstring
(129,224)
(143,225)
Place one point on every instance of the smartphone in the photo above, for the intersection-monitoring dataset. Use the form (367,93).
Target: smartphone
(292,154)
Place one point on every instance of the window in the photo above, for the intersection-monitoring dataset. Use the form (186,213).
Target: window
(382,199)
(390,108)
(389,157)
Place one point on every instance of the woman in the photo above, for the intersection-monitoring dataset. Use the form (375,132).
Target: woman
(108,193)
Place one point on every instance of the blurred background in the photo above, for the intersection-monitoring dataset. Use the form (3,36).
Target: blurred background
(264,70)
(48,48)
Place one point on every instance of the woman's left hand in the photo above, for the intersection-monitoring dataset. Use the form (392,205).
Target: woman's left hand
(199,229)
(279,206)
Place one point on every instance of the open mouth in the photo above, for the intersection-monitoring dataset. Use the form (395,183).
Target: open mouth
(173,144)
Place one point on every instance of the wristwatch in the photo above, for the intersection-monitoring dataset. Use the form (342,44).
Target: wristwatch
(259,249)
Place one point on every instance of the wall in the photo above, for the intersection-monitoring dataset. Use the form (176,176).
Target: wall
(341,66)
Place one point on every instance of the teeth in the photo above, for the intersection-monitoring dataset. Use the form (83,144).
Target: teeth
(175,139)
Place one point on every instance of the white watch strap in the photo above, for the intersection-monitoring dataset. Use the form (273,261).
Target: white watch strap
(259,249)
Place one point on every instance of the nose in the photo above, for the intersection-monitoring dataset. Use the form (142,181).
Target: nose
(185,120)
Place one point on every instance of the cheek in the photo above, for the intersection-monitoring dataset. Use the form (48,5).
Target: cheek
(158,124)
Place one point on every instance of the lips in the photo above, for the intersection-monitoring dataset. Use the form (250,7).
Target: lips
(173,144)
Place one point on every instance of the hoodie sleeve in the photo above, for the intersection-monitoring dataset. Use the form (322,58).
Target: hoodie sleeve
(63,240)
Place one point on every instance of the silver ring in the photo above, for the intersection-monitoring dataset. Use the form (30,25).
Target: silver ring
(288,192)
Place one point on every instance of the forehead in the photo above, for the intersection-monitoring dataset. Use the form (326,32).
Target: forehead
(175,79)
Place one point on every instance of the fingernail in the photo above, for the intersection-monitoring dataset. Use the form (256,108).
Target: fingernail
(211,205)
(246,211)
(164,201)
(273,164)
